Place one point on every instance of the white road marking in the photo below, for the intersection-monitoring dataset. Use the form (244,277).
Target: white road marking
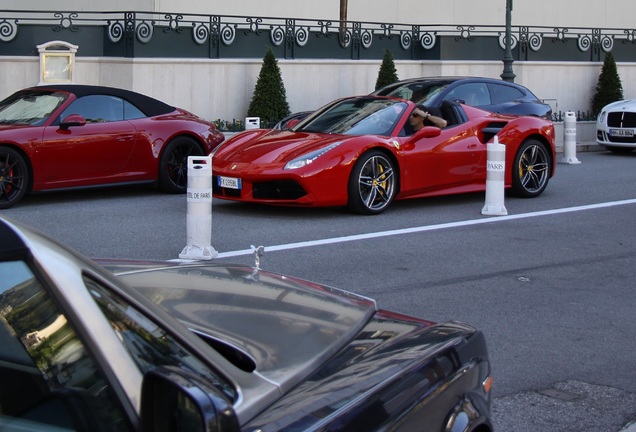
(402,231)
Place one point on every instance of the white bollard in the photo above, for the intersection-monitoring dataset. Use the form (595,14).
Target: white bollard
(199,217)
(495,176)
(569,139)
(252,123)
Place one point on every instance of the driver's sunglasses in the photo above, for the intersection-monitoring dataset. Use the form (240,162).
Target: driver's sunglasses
(415,115)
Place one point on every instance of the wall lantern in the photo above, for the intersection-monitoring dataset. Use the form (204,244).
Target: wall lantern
(56,62)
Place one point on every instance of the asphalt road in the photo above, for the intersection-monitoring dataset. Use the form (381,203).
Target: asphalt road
(551,284)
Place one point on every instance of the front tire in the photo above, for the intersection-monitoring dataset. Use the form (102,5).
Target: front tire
(173,165)
(531,170)
(14,177)
(372,184)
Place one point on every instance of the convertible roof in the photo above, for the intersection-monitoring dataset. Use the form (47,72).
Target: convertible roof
(148,105)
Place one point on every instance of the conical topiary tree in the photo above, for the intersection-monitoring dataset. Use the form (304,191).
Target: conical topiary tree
(269,101)
(609,88)
(388,73)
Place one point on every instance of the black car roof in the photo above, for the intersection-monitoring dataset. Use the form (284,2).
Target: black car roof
(448,79)
(148,105)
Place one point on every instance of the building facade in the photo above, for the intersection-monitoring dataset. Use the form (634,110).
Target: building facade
(206,55)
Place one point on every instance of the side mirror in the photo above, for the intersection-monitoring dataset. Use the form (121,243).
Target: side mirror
(427,132)
(172,401)
(71,121)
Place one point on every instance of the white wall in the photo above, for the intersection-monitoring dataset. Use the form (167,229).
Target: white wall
(223,89)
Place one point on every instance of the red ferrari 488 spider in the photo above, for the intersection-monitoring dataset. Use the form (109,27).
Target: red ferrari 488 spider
(362,153)
(69,136)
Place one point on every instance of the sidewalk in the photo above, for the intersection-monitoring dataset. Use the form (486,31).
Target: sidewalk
(581,147)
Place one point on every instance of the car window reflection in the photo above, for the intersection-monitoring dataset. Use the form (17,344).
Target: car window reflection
(149,344)
(360,116)
(30,108)
(46,373)
(97,108)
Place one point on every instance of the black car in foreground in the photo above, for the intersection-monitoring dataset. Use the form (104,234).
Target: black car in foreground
(175,346)
(489,94)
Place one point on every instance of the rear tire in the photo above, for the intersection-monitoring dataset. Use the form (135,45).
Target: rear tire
(14,177)
(173,164)
(530,170)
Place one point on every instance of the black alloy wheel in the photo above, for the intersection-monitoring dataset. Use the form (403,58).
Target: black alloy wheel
(14,177)
(173,165)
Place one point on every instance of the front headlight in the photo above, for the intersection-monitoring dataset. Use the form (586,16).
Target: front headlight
(601,117)
(308,158)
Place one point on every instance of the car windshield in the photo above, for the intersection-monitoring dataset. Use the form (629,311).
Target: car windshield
(356,116)
(420,92)
(31,108)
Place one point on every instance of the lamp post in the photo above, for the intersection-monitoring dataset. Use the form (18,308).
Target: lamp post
(343,21)
(508,74)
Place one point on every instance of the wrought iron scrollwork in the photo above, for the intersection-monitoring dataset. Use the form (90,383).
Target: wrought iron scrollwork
(66,22)
(560,34)
(428,39)
(366,38)
(253,26)
(302,36)
(465,32)
(8,30)
(386,31)
(535,41)
(200,33)
(277,35)
(406,37)
(173,23)
(144,31)
(324,29)
(139,27)
(595,41)
(513,40)
(115,31)
(228,33)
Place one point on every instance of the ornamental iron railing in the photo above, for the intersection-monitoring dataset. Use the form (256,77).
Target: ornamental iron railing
(155,34)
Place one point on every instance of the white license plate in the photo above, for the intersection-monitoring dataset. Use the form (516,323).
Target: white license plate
(229,182)
(622,132)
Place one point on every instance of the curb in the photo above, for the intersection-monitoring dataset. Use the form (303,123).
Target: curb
(582,147)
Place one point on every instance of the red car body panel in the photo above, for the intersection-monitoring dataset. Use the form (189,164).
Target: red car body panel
(102,153)
(436,162)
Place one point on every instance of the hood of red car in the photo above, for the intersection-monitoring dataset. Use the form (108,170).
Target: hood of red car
(10,127)
(266,147)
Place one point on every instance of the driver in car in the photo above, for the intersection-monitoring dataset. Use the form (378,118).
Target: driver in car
(421,116)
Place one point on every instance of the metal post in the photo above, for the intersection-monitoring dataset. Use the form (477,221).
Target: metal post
(199,216)
(569,139)
(495,179)
(508,74)
(342,31)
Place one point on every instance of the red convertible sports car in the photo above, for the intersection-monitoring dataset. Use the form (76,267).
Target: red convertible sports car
(69,136)
(360,152)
